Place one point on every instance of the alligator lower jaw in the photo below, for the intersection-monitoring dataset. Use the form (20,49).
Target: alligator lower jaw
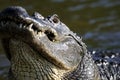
(38,63)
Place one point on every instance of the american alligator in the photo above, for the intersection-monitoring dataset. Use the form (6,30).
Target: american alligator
(46,49)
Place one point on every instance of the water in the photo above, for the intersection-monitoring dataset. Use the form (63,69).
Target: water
(97,21)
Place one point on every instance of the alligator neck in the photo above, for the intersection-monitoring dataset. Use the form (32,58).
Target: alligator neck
(28,64)
(87,69)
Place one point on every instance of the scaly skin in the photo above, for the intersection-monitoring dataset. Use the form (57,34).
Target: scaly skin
(44,48)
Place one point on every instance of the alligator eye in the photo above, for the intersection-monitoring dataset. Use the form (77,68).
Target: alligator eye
(55,19)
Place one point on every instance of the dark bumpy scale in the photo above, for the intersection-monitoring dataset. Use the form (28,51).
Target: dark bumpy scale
(46,49)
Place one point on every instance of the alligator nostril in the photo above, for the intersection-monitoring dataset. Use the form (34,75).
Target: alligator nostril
(55,20)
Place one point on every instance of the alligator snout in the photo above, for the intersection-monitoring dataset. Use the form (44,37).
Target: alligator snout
(15,21)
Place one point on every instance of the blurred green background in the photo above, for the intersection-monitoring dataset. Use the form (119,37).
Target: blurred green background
(97,21)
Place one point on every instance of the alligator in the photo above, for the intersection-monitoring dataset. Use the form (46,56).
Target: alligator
(44,48)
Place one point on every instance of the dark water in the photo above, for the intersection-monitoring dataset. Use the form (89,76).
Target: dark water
(97,21)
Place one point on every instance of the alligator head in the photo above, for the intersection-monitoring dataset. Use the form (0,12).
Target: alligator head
(38,47)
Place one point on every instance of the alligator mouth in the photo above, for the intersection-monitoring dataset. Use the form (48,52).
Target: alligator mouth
(14,27)
(15,22)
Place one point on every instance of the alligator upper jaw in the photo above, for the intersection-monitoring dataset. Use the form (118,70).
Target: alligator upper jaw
(25,31)
(43,39)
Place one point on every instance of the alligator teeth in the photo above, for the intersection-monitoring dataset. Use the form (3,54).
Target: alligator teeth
(35,32)
(24,26)
(30,27)
(54,31)
(21,25)
(41,34)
